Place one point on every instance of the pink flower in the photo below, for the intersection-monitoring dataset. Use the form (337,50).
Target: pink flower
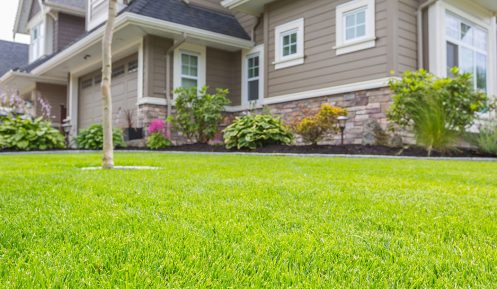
(156,125)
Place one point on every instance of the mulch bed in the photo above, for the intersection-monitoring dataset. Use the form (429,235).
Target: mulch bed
(411,151)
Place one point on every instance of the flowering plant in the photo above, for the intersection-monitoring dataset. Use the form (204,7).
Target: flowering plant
(156,125)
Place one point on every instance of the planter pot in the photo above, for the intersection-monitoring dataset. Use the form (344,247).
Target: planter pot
(133,133)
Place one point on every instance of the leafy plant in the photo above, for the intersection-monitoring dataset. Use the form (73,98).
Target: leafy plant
(313,128)
(198,114)
(252,131)
(157,141)
(486,139)
(26,134)
(92,138)
(437,109)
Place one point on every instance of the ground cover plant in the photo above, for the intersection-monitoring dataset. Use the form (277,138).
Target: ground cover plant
(92,138)
(25,134)
(232,221)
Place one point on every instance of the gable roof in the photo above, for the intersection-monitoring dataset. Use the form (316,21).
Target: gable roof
(12,55)
(179,12)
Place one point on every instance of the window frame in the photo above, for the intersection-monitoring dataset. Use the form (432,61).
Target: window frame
(189,48)
(188,76)
(460,44)
(246,55)
(344,46)
(37,48)
(282,61)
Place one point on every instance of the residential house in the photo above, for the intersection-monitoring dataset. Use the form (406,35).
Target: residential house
(288,55)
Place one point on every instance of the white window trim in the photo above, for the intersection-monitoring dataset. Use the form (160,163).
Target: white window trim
(245,55)
(189,48)
(41,40)
(290,60)
(438,39)
(369,40)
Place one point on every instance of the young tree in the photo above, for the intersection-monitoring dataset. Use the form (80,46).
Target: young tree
(108,148)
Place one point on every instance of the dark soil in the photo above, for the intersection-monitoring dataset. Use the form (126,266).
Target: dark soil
(411,151)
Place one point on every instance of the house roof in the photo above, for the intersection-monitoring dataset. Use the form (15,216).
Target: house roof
(175,11)
(12,55)
(179,12)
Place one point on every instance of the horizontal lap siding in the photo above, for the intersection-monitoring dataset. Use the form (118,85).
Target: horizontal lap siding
(248,23)
(322,67)
(224,71)
(154,66)
(67,29)
(407,49)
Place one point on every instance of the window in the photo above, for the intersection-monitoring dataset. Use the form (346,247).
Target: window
(98,79)
(355,24)
(289,44)
(253,77)
(133,66)
(189,67)
(118,71)
(189,70)
(87,83)
(467,48)
(37,41)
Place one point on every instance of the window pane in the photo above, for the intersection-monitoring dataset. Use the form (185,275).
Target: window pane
(452,27)
(480,37)
(185,59)
(185,69)
(286,39)
(361,17)
(188,83)
(466,34)
(350,33)
(361,31)
(481,72)
(293,38)
(286,51)
(467,60)
(253,90)
(350,20)
(452,57)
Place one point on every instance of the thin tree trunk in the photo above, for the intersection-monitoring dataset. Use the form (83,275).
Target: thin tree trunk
(108,150)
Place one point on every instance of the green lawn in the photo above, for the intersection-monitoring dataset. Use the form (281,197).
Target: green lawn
(206,221)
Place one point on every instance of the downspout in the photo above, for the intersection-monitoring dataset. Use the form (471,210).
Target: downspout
(420,30)
(168,82)
(256,25)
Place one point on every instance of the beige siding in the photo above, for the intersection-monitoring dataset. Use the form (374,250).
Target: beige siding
(407,35)
(155,49)
(224,71)
(248,23)
(35,8)
(67,29)
(322,67)
(55,95)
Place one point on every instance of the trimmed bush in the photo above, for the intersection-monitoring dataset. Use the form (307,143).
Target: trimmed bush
(92,138)
(438,110)
(253,131)
(313,128)
(26,134)
(198,114)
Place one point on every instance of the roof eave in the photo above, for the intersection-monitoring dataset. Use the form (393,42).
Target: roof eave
(252,7)
(132,18)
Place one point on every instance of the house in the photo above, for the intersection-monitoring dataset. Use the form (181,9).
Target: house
(288,55)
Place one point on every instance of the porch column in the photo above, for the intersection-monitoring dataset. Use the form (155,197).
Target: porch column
(73,103)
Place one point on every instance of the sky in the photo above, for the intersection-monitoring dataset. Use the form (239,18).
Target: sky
(7,17)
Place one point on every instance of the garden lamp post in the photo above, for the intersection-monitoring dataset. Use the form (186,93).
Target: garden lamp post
(342,121)
(67,129)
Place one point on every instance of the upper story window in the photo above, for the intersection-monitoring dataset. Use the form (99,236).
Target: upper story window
(467,48)
(355,26)
(189,70)
(37,41)
(289,44)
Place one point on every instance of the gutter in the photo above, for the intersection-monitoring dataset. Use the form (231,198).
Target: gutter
(131,18)
(420,30)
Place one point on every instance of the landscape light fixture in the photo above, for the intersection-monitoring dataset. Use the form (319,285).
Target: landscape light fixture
(342,122)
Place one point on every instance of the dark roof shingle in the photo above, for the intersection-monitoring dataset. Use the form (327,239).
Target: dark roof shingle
(12,55)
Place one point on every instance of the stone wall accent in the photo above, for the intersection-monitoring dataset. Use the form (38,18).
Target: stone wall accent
(362,106)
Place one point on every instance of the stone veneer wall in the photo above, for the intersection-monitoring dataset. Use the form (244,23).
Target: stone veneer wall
(363,107)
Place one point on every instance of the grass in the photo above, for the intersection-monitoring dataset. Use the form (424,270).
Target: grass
(206,221)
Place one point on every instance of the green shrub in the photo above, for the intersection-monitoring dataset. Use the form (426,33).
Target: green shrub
(198,114)
(92,138)
(486,139)
(157,141)
(252,131)
(313,128)
(26,134)
(437,109)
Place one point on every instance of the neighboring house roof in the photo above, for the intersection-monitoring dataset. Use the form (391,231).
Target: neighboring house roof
(12,55)
(175,11)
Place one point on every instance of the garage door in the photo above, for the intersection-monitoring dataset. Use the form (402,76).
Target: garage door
(124,94)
